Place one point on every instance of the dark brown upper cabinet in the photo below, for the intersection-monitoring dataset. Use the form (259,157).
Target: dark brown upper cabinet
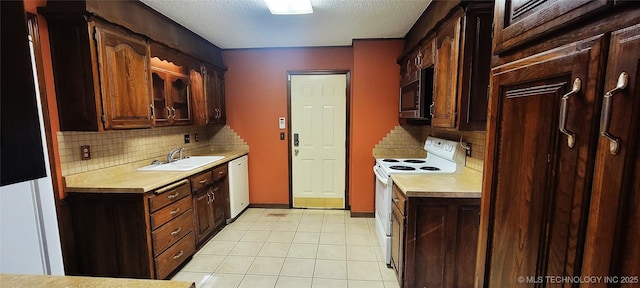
(446,74)
(101,75)
(526,20)
(171,93)
(458,50)
(209,100)
(101,54)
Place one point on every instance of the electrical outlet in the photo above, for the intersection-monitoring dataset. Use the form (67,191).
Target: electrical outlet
(187,139)
(196,137)
(85,152)
(468,150)
(281,135)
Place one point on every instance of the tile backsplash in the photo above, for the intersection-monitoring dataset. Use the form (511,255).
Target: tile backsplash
(407,142)
(113,148)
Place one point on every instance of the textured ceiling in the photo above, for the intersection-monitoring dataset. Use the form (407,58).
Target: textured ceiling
(248,23)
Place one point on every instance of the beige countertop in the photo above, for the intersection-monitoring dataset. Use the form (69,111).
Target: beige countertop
(465,185)
(126,179)
(48,281)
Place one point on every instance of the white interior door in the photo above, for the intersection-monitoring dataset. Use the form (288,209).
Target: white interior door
(318,129)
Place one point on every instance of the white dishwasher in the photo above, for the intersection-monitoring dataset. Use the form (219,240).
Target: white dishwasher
(238,185)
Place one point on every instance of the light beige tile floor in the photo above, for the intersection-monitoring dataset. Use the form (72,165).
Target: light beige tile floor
(291,248)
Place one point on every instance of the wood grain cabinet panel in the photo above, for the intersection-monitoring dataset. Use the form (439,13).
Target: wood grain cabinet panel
(441,242)
(434,241)
(446,75)
(102,74)
(611,246)
(120,234)
(210,202)
(457,57)
(123,62)
(560,197)
(541,188)
(521,21)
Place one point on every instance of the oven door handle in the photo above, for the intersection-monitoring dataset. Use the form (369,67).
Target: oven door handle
(379,176)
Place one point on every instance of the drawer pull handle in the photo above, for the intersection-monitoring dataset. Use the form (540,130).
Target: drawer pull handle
(202,181)
(571,136)
(221,172)
(395,200)
(605,118)
(179,254)
(174,233)
(172,196)
(173,212)
(170,187)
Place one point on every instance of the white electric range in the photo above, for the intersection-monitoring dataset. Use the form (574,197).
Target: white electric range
(443,157)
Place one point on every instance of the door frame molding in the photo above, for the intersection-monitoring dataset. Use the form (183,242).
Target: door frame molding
(347,73)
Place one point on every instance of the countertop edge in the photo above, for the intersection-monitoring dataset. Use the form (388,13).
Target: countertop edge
(121,178)
(468,184)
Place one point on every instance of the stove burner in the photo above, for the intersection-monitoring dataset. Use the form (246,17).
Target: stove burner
(430,168)
(390,160)
(404,168)
(414,161)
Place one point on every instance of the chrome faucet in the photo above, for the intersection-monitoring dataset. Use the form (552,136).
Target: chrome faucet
(172,155)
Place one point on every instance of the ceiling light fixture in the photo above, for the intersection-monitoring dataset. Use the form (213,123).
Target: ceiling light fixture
(289,7)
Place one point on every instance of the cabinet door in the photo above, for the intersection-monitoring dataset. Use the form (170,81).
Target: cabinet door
(203,214)
(220,102)
(161,110)
(446,75)
(397,243)
(123,63)
(611,247)
(467,226)
(200,113)
(536,18)
(218,204)
(426,255)
(475,64)
(214,91)
(539,184)
(179,96)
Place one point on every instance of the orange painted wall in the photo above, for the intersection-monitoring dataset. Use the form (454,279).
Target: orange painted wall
(256,91)
(256,95)
(31,6)
(374,112)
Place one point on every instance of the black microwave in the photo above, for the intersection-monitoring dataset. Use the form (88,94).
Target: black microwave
(416,98)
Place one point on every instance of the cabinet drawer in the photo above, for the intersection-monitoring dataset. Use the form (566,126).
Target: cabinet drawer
(174,256)
(399,199)
(220,172)
(170,212)
(201,180)
(170,233)
(169,194)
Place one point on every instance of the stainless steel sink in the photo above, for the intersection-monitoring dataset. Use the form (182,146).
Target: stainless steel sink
(185,164)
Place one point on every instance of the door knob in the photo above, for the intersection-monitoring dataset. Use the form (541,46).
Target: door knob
(296,152)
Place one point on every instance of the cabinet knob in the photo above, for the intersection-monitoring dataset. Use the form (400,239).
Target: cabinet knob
(395,200)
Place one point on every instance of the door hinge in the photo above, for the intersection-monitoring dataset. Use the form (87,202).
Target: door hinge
(103,118)
(289,77)
(549,158)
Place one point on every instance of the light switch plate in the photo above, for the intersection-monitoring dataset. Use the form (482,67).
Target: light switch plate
(281,123)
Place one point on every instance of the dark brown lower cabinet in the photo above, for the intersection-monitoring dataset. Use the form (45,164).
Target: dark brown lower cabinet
(439,243)
(210,202)
(133,235)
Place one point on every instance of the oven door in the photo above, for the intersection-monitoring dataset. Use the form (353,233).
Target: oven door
(383,198)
